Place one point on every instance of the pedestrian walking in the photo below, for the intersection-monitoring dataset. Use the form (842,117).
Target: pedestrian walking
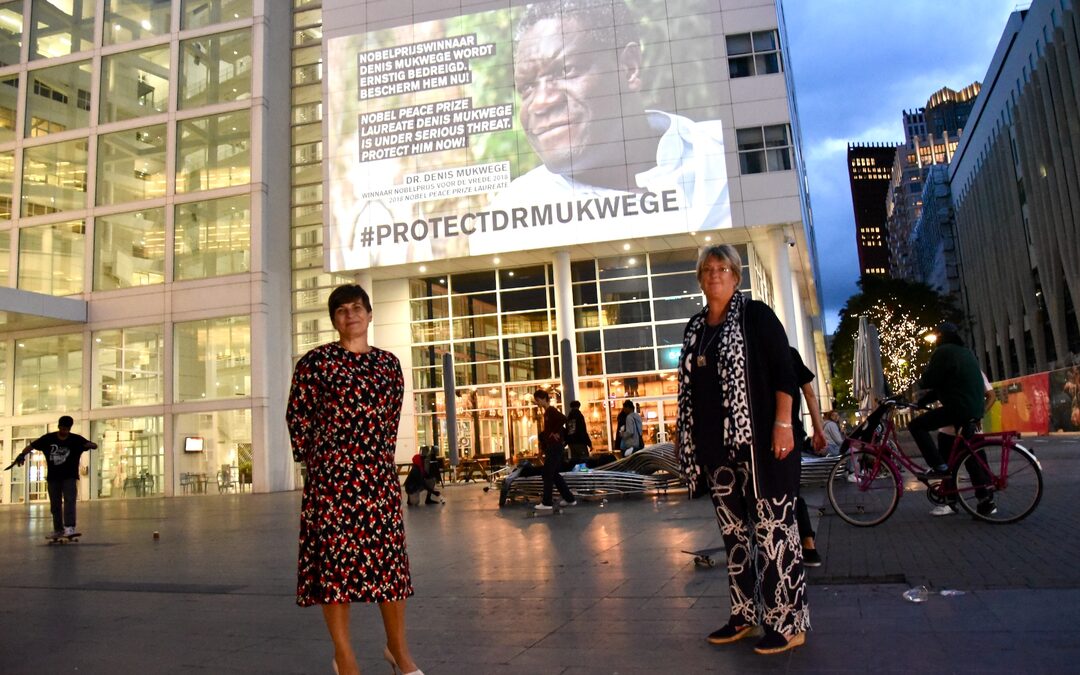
(552,441)
(577,435)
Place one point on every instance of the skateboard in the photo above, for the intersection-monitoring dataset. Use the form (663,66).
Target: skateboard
(704,557)
(63,538)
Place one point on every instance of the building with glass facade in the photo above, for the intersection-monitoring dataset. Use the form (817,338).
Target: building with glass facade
(164,265)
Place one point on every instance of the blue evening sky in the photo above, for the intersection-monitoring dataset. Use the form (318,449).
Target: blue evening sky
(858,64)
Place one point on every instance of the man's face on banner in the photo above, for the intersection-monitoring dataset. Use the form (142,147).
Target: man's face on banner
(567,86)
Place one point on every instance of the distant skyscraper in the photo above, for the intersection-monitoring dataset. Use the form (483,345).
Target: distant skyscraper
(870,170)
(931,135)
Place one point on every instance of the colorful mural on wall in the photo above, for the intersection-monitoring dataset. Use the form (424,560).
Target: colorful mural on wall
(1040,404)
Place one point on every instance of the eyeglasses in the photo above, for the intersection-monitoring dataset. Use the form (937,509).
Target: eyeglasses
(712,269)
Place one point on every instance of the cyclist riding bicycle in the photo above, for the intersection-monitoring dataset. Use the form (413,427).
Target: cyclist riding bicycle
(952,377)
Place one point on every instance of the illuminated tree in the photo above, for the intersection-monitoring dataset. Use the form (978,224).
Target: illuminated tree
(903,313)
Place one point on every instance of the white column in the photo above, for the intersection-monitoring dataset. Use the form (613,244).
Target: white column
(781,282)
(564,325)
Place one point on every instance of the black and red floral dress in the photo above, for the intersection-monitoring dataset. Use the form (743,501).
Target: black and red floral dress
(343,416)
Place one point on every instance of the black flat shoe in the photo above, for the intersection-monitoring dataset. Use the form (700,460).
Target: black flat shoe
(733,631)
(775,643)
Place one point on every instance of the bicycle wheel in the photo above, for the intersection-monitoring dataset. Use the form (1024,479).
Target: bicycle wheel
(1006,482)
(868,496)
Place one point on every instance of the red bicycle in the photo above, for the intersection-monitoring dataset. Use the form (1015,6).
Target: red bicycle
(991,476)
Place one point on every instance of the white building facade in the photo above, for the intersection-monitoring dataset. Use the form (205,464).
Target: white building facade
(165,266)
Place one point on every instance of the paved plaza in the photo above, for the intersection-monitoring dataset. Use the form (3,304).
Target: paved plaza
(600,588)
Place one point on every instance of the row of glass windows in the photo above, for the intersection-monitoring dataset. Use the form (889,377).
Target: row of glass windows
(211,152)
(212,453)
(210,238)
(629,315)
(213,69)
(212,361)
(59,27)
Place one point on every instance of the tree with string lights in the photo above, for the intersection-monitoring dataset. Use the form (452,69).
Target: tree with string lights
(903,312)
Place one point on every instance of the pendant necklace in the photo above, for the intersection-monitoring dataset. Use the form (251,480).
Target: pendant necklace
(701,360)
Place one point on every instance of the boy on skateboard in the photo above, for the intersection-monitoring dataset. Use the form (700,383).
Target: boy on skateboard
(62,450)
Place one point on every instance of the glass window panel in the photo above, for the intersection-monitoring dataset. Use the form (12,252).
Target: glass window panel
(674,261)
(518,348)
(621,266)
(587,317)
(764,41)
(749,139)
(776,136)
(752,162)
(51,258)
(676,284)
(473,282)
(678,308)
(5,263)
(48,374)
(61,27)
(429,308)
(430,286)
(477,373)
(127,20)
(476,350)
(427,378)
(308,173)
(528,369)
(214,152)
(739,44)
(9,100)
(469,305)
(630,362)
(585,294)
(767,63)
(670,333)
(522,277)
(54,177)
(130,459)
(4,360)
(227,446)
(780,160)
(669,356)
(528,322)
(7,183)
(516,301)
(311,17)
(429,355)
(134,84)
(590,364)
(430,331)
(305,114)
(476,327)
(628,338)
(624,313)
(624,289)
(215,69)
(11,32)
(307,74)
(306,133)
(213,358)
(127,367)
(58,99)
(212,238)
(129,249)
(588,341)
(583,270)
(308,153)
(131,165)
(307,36)
(196,13)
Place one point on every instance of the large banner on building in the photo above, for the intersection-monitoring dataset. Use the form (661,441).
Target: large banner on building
(526,127)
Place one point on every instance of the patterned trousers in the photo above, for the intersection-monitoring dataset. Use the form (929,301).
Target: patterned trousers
(764,553)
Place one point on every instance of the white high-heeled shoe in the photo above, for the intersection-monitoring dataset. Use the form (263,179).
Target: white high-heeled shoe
(394,666)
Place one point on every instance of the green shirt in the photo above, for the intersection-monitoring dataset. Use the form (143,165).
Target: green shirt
(954,375)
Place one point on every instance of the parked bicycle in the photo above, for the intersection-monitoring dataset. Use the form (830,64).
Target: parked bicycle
(991,476)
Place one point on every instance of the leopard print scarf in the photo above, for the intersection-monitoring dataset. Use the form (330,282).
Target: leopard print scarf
(735,400)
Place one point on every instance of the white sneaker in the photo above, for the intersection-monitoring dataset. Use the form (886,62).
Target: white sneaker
(563,503)
(852,478)
(68,531)
(543,507)
(943,510)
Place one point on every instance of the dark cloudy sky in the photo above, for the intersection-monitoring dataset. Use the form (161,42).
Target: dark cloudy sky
(858,64)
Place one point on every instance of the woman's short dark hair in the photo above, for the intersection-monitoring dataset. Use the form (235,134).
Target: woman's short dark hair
(542,395)
(345,294)
(628,404)
(575,405)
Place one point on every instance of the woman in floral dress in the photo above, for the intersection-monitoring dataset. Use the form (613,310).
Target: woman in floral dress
(343,415)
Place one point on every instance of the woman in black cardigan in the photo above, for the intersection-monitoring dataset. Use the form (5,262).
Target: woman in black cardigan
(734,430)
